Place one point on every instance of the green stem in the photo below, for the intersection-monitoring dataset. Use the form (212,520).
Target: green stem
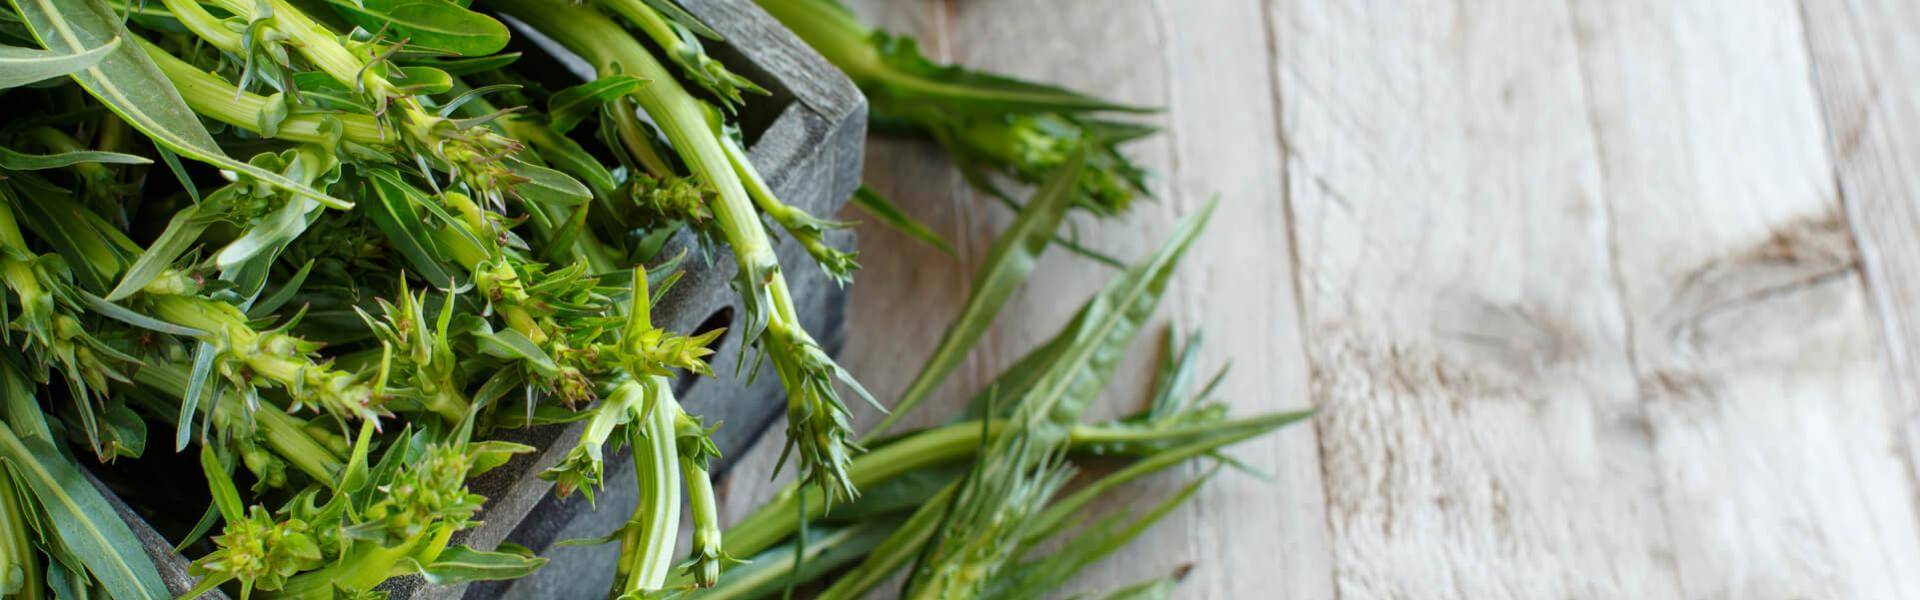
(646,545)
(17,554)
(708,549)
(773,521)
(273,356)
(834,33)
(204,25)
(815,416)
(894,553)
(288,436)
(638,142)
(211,96)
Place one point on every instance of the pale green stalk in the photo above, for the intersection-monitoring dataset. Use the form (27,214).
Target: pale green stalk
(816,418)
(646,544)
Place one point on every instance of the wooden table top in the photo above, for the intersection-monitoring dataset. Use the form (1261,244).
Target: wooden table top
(1597,298)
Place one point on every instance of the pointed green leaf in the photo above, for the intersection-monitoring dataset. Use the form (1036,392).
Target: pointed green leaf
(1011,259)
(83,519)
(128,316)
(226,496)
(510,344)
(550,187)
(130,85)
(395,213)
(21,66)
(570,106)
(1100,334)
(877,205)
(461,564)
(181,232)
(35,162)
(434,24)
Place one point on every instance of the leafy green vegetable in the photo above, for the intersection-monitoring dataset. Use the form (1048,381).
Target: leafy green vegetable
(988,123)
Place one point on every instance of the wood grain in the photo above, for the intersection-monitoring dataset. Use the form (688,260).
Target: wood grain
(1598,298)
(1480,432)
(1753,342)
(1865,54)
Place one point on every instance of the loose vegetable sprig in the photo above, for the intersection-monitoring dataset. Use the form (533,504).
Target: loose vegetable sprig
(989,124)
(973,528)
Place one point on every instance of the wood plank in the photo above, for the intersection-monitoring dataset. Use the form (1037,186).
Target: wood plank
(1248,538)
(1480,435)
(1751,335)
(1865,56)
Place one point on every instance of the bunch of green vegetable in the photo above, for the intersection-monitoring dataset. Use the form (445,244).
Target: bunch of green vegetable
(989,124)
(330,246)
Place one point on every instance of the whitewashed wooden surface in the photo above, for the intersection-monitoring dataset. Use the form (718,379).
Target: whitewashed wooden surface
(1597,298)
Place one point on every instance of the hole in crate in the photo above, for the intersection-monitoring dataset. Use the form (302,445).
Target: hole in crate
(722,318)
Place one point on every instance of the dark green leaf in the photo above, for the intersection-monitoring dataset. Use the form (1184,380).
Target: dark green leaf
(465,65)
(268,305)
(433,24)
(570,106)
(510,344)
(395,212)
(549,187)
(226,496)
(680,16)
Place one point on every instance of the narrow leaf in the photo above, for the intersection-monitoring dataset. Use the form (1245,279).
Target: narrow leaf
(83,519)
(226,496)
(21,66)
(570,106)
(130,85)
(181,232)
(128,316)
(1101,332)
(877,205)
(16,161)
(550,187)
(461,564)
(1012,258)
(433,24)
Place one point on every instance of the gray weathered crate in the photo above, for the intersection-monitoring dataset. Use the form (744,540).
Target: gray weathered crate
(806,138)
